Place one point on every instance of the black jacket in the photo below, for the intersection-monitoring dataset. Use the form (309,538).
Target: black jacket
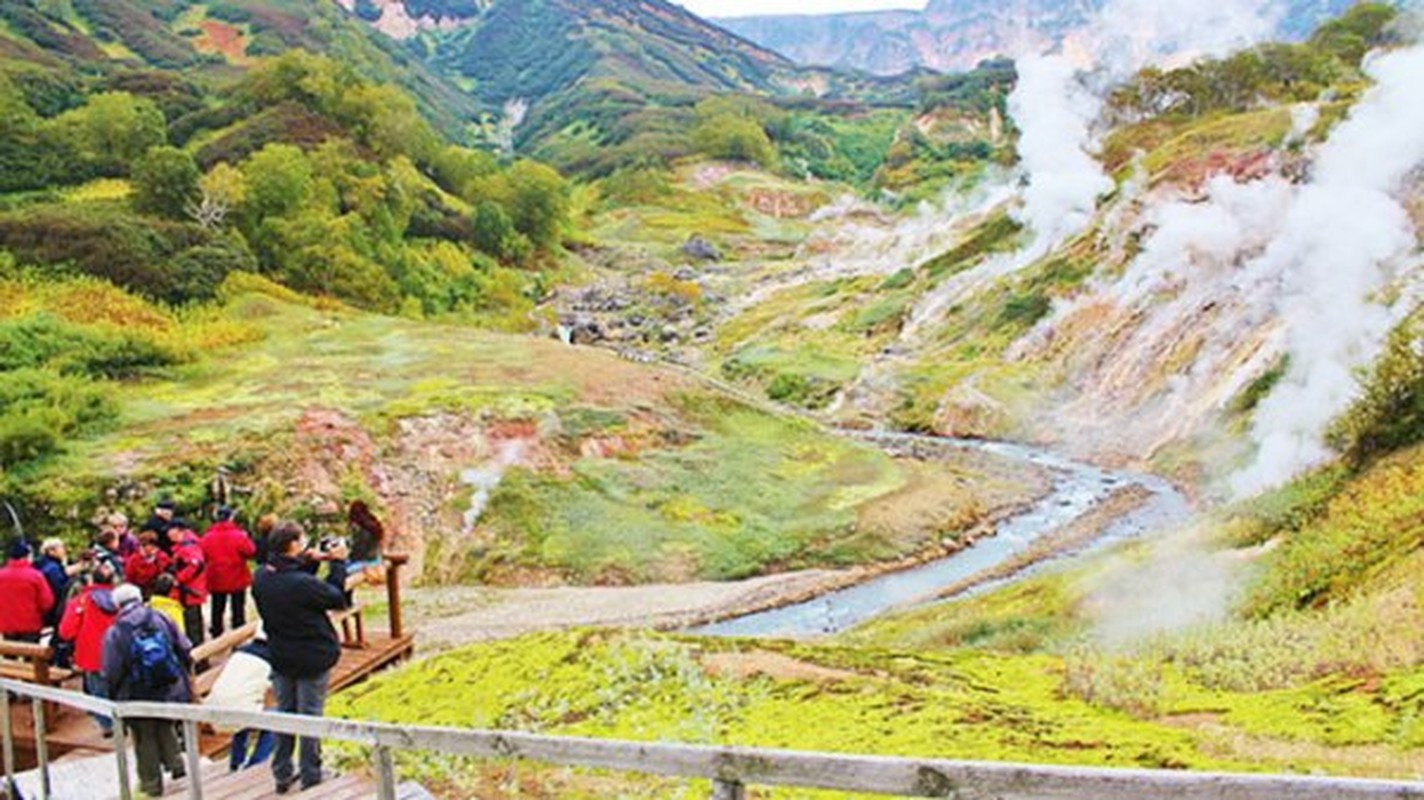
(294,605)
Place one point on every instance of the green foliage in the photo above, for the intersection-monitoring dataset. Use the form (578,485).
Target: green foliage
(494,233)
(538,202)
(689,510)
(138,253)
(112,130)
(1390,413)
(1280,72)
(1359,30)
(39,409)
(44,341)
(279,180)
(736,138)
(165,182)
(1372,522)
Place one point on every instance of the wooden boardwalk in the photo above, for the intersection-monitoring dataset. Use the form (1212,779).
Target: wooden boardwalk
(93,778)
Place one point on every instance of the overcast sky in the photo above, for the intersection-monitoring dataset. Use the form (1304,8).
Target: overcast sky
(742,8)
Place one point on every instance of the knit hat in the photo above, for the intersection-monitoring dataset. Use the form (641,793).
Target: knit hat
(19,549)
(127,595)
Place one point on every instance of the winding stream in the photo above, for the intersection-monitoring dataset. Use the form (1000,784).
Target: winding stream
(1077,488)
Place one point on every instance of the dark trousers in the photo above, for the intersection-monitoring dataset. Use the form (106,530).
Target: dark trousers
(219,607)
(193,624)
(299,696)
(155,748)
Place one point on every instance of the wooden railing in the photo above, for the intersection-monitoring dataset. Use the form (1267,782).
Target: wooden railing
(729,769)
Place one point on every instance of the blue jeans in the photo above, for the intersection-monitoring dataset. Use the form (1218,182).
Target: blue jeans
(261,750)
(96,686)
(305,696)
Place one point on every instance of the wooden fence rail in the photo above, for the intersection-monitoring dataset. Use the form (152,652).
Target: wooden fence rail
(731,769)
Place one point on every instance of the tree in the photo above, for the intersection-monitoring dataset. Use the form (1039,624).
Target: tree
(495,234)
(278,179)
(113,130)
(735,138)
(165,183)
(219,192)
(539,202)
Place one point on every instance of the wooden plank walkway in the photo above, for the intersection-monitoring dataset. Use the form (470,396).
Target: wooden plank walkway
(93,778)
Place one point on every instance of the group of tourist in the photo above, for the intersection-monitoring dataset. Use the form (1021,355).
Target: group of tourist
(128,612)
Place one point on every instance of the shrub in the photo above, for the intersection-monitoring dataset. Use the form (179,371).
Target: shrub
(40,408)
(1390,413)
(165,183)
(99,351)
(136,253)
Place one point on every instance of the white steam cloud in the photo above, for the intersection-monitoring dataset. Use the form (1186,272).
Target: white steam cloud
(1055,113)
(1055,108)
(1341,242)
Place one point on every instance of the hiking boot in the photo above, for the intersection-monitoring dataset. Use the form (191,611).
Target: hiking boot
(324,777)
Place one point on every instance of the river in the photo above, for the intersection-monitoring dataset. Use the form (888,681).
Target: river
(1076,489)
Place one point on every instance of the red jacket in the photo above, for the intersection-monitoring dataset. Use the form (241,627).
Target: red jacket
(25,597)
(190,570)
(86,619)
(142,571)
(228,548)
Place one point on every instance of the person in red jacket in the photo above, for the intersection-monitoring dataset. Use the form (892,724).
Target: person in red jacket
(228,548)
(190,572)
(144,566)
(25,597)
(87,618)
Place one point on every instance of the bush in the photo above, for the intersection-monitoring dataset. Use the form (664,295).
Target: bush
(137,253)
(165,183)
(42,340)
(40,408)
(1390,413)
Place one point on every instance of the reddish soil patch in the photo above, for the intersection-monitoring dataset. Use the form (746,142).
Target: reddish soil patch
(220,37)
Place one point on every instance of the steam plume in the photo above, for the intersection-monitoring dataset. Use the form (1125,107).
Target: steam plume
(1342,239)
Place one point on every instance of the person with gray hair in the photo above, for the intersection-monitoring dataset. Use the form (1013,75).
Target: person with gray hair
(147,658)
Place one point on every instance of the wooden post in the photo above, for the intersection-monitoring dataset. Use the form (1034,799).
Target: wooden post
(121,756)
(394,562)
(9,736)
(385,773)
(728,790)
(41,747)
(195,761)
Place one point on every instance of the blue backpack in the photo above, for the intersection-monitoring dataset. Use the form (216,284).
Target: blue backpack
(153,662)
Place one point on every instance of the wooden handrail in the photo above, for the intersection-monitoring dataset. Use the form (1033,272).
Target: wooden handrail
(224,644)
(731,768)
(25,650)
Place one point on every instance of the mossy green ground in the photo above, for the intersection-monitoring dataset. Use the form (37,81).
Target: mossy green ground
(1011,675)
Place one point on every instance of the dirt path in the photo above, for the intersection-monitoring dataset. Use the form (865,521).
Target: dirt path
(450,617)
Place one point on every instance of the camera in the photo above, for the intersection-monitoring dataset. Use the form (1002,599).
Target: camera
(329,543)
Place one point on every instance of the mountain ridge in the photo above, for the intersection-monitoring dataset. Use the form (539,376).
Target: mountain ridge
(951,35)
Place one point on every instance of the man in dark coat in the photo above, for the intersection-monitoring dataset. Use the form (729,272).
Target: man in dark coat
(295,607)
(161,521)
(54,564)
(155,740)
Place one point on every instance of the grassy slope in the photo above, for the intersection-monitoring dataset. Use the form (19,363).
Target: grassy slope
(1006,676)
(633,472)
